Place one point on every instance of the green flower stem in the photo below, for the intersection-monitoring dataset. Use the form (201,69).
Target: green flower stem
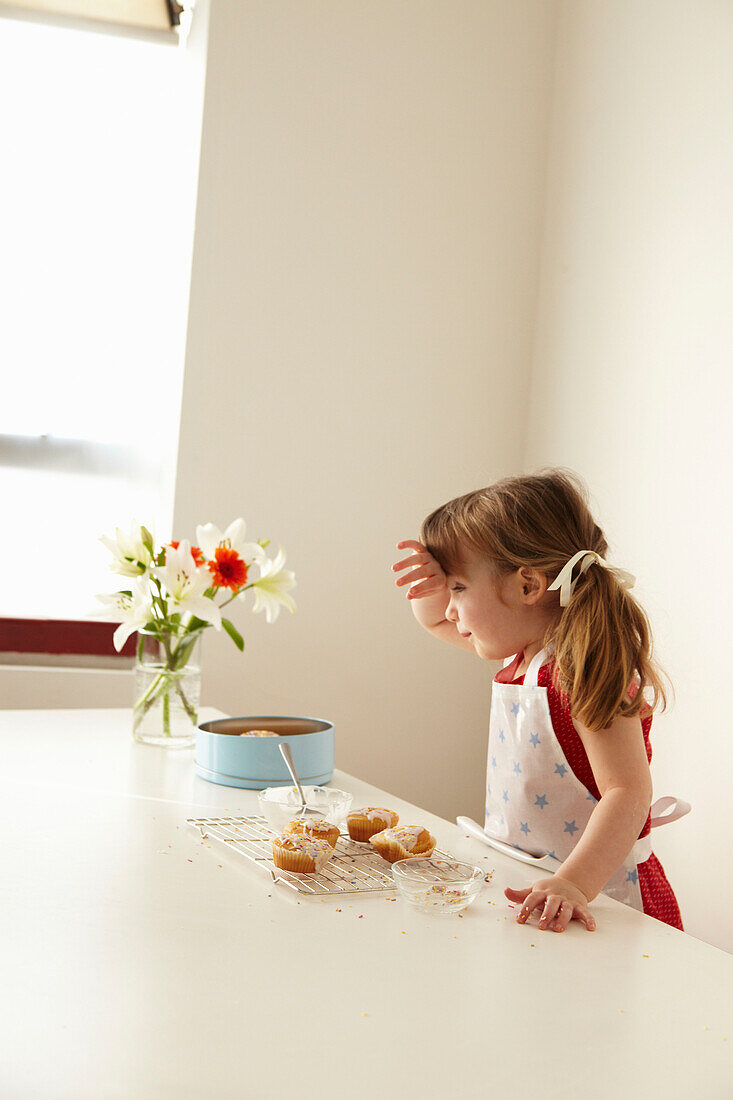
(188,708)
(183,651)
(161,688)
(176,657)
(146,696)
(148,699)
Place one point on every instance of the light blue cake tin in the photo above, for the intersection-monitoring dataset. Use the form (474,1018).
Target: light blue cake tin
(222,756)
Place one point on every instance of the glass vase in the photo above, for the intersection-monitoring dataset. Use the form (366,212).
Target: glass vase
(167,688)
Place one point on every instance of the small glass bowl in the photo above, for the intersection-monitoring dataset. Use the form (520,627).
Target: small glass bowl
(279,805)
(438,886)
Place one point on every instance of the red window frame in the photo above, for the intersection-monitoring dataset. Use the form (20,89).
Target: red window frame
(62,636)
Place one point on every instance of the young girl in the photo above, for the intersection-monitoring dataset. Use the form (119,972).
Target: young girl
(517,572)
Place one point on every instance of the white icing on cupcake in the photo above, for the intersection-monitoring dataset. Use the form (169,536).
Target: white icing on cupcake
(406,835)
(310,825)
(373,813)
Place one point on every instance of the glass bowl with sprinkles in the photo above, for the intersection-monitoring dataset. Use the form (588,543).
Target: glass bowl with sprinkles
(439,887)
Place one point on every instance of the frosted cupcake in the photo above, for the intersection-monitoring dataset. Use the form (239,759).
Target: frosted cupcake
(404,842)
(316,827)
(363,824)
(304,855)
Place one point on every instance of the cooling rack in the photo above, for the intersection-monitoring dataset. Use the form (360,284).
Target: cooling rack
(353,868)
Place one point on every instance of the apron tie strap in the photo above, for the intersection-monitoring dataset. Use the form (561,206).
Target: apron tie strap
(533,669)
(677,806)
(642,849)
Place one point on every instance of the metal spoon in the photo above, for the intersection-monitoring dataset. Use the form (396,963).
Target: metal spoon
(304,810)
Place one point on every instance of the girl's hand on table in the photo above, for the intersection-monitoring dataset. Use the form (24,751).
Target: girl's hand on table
(560,901)
(423,569)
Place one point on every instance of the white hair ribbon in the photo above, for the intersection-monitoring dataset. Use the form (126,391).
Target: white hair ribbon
(566,584)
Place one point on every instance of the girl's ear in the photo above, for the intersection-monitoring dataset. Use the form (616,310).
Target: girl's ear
(534,584)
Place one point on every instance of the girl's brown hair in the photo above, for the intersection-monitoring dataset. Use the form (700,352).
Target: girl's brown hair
(601,641)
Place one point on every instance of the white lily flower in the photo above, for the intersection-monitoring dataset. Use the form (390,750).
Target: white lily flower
(133,611)
(271,587)
(186,584)
(131,556)
(209,537)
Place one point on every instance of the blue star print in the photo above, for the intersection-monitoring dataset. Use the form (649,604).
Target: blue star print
(505,796)
(571,827)
(561,770)
(525,828)
(501,735)
(540,801)
(517,768)
(535,739)
(515,708)
(493,761)
(632,876)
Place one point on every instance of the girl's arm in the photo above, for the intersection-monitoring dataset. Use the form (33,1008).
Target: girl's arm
(619,763)
(620,767)
(428,593)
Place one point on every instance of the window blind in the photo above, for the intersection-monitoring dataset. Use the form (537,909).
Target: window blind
(160,15)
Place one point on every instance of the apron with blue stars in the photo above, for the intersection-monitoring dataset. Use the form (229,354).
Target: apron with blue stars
(534,801)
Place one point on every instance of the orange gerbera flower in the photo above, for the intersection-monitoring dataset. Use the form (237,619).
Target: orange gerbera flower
(198,557)
(228,569)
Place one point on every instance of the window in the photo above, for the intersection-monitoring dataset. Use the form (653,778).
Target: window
(98,191)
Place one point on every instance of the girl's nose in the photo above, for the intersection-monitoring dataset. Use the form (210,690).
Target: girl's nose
(450,612)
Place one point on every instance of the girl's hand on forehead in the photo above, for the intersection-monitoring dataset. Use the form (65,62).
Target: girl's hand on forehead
(426,576)
(558,900)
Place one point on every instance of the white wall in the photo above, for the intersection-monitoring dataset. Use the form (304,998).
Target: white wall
(631,381)
(362,301)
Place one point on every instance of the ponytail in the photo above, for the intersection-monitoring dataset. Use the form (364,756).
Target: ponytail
(602,649)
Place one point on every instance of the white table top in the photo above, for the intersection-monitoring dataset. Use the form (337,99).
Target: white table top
(142,962)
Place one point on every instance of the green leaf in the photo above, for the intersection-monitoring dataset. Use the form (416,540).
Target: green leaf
(233,634)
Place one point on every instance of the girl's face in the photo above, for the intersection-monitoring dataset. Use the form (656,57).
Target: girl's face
(501,615)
